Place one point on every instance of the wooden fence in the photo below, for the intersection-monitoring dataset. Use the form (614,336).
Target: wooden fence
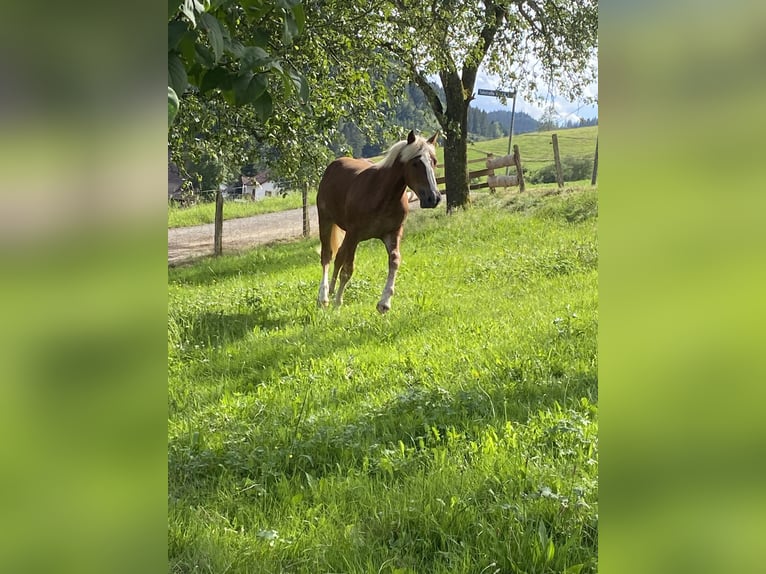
(493,180)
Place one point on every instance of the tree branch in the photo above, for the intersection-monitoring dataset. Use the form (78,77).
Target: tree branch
(495,15)
(431,96)
(531,21)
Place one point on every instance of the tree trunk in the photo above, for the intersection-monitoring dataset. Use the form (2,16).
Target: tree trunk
(456,148)
(456,172)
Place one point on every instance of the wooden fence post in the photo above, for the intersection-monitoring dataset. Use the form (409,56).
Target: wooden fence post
(557,160)
(490,156)
(517,161)
(595,166)
(218,233)
(306,221)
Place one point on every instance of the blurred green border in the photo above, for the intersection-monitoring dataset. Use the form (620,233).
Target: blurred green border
(681,287)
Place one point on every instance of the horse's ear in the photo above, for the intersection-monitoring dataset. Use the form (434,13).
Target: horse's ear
(432,139)
(411,137)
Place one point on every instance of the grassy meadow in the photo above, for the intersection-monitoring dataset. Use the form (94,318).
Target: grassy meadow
(536,148)
(455,434)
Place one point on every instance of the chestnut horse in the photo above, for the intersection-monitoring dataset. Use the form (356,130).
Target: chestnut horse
(359,200)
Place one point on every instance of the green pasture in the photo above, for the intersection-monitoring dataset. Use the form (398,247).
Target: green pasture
(456,434)
(536,148)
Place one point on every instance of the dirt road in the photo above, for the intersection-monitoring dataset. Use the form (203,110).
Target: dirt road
(188,243)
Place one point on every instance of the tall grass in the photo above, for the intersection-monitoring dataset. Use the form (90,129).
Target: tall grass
(457,433)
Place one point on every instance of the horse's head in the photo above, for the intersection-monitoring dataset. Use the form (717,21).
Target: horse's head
(419,157)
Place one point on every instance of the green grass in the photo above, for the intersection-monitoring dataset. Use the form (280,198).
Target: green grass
(457,433)
(205,212)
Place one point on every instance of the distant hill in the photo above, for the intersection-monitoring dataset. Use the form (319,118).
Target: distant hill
(410,110)
(497,123)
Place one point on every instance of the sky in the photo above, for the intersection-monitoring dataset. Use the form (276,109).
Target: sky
(565,110)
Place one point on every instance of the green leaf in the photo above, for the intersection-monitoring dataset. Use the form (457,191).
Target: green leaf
(249,87)
(172,106)
(300,17)
(276,66)
(263,106)
(204,56)
(261,37)
(542,533)
(254,57)
(297,82)
(215,33)
(187,46)
(173,6)
(176,31)
(302,85)
(177,78)
(290,29)
(550,551)
(233,47)
(217,78)
(230,97)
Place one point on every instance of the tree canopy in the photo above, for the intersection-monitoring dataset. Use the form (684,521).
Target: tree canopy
(297,72)
(524,42)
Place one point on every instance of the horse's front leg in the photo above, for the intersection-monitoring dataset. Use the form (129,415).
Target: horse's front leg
(391,242)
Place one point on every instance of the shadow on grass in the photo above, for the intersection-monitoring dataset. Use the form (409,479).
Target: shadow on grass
(420,416)
(213,329)
(261,261)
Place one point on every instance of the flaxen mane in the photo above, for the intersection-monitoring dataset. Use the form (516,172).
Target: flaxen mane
(405,152)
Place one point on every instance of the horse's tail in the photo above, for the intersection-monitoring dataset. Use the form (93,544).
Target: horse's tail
(336,238)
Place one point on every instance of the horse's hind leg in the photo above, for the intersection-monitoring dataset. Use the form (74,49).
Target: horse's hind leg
(344,265)
(330,236)
(391,241)
(325,237)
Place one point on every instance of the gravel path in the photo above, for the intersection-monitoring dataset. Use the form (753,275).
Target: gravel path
(188,243)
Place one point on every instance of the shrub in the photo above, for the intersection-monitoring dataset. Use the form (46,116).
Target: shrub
(572,168)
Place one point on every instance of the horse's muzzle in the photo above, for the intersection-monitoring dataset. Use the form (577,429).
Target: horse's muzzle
(430,200)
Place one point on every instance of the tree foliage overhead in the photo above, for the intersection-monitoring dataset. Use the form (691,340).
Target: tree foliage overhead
(527,43)
(229,67)
(291,75)
(235,47)
(315,76)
